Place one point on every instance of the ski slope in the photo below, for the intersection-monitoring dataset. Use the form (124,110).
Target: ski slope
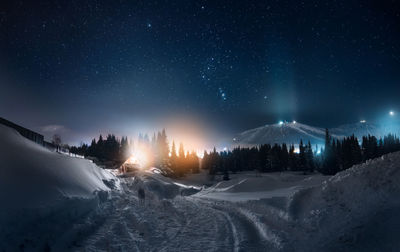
(287,132)
(293,132)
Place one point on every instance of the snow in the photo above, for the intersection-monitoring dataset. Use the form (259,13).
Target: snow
(257,212)
(353,210)
(252,186)
(347,208)
(37,184)
(292,133)
(360,129)
(288,132)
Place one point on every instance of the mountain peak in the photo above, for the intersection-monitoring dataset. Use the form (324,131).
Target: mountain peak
(282,132)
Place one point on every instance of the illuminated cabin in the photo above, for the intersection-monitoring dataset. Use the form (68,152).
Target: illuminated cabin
(130,165)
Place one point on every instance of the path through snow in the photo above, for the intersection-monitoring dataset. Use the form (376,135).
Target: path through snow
(183,223)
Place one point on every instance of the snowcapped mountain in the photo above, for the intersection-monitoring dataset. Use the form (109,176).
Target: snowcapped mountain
(359,129)
(284,132)
(293,132)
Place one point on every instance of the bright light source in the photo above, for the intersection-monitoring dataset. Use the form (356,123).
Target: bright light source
(138,157)
(363,121)
(294,122)
(225,149)
(391,113)
(280,122)
(200,154)
(318,152)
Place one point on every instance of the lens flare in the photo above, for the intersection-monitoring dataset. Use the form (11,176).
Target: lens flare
(139,157)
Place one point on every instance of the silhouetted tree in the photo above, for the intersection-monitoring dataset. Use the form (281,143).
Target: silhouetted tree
(56,140)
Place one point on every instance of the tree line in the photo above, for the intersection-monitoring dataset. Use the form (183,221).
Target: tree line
(340,155)
(337,155)
(110,148)
(263,158)
(172,161)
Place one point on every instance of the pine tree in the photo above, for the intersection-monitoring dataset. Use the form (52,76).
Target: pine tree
(124,150)
(309,157)
(213,162)
(174,159)
(194,162)
(163,150)
(284,157)
(302,157)
(329,158)
(181,160)
(292,159)
(100,148)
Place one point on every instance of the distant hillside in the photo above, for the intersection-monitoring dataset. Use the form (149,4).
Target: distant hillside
(293,132)
(359,129)
(287,132)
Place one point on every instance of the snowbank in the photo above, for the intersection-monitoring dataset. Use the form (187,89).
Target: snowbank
(161,187)
(43,191)
(353,210)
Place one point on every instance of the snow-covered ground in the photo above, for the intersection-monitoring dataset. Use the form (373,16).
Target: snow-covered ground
(352,211)
(42,192)
(356,210)
(255,186)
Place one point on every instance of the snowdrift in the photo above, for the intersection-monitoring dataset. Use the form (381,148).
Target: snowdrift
(251,186)
(42,192)
(159,187)
(356,209)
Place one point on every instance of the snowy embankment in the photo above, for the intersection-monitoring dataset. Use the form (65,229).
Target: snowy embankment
(43,192)
(356,209)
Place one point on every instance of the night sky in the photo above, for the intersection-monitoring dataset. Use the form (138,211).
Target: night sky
(83,68)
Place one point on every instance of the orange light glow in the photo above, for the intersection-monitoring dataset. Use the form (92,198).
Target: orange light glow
(190,132)
(140,156)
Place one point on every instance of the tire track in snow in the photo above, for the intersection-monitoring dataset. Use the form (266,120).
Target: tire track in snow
(250,232)
(245,235)
(234,233)
(184,224)
(262,229)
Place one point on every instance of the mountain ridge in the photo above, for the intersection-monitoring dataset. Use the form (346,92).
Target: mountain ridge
(293,132)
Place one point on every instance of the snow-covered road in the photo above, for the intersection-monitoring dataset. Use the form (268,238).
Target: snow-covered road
(179,224)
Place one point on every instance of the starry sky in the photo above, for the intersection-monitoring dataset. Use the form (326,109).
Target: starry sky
(220,67)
